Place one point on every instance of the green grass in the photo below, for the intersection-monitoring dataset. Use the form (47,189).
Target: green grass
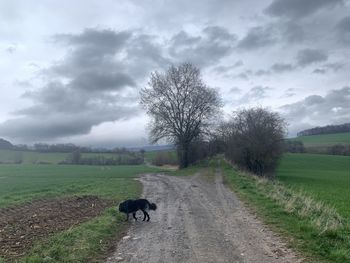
(150,156)
(324,177)
(310,226)
(84,243)
(19,183)
(324,140)
(32,157)
(28,157)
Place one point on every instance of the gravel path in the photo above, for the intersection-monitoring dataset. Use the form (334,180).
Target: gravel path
(198,220)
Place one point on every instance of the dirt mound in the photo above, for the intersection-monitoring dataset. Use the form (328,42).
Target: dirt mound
(21,226)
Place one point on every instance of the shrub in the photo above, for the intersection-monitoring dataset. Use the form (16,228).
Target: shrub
(255,140)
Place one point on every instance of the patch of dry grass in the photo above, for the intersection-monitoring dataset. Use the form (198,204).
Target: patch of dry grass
(299,203)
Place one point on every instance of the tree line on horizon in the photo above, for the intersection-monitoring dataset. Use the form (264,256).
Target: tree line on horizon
(329,129)
(58,148)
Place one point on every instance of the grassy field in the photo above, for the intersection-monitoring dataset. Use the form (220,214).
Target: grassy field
(25,182)
(325,177)
(9,156)
(311,226)
(31,157)
(324,140)
(151,155)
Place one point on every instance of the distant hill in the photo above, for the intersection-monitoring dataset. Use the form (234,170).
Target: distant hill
(324,140)
(5,145)
(329,129)
(151,148)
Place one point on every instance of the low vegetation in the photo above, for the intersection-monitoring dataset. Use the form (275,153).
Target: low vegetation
(333,144)
(324,177)
(84,243)
(127,158)
(164,158)
(292,146)
(34,157)
(254,140)
(23,183)
(314,227)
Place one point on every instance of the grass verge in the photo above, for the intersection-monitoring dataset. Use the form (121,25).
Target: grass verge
(311,226)
(84,243)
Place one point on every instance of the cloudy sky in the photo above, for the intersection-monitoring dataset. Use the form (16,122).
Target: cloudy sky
(71,70)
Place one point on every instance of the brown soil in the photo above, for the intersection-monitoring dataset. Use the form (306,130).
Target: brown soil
(22,225)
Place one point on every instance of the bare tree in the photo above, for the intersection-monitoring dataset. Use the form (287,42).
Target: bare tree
(255,140)
(181,107)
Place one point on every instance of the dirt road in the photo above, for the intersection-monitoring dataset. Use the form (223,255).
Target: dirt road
(198,220)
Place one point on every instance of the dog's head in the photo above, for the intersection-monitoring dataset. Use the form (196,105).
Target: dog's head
(121,207)
(152,206)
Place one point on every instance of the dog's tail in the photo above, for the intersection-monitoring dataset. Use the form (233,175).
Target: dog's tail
(152,206)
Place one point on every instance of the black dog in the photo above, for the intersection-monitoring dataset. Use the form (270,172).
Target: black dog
(132,206)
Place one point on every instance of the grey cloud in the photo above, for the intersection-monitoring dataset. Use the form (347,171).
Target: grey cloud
(144,54)
(334,66)
(299,8)
(235,90)
(95,82)
(282,67)
(319,71)
(184,39)
(57,97)
(257,37)
(313,100)
(11,49)
(292,32)
(244,74)
(309,56)
(316,110)
(106,40)
(210,47)
(92,84)
(217,33)
(262,72)
(98,81)
(343,30)
(56,125)
(327,67)
(275,68)
(129,53)
(289,93)
(254,94)
(225,69)
(60,111)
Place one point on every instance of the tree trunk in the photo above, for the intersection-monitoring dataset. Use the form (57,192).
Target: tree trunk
(183,155)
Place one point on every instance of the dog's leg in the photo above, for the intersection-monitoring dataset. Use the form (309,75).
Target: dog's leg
(147,216)
(134,216)
(144,215)
(127,217)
